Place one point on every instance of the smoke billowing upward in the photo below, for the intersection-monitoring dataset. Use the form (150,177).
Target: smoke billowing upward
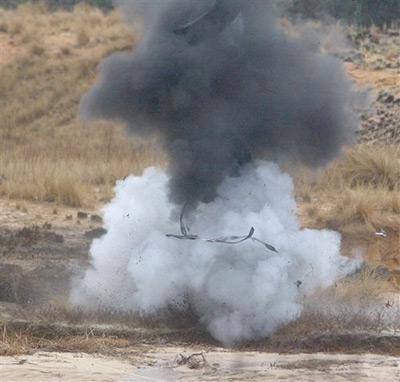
(221,83)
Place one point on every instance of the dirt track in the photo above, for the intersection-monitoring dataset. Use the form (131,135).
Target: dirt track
(162,364)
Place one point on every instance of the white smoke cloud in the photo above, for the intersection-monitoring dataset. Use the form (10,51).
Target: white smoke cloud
(240,291)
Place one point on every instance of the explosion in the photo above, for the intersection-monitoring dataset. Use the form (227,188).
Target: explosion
(222,86)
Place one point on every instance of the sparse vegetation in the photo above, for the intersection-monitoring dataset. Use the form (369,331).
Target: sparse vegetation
(335,313)
(359,196)
(376,167)
(47,154)
(362,187)
(82,37)
(15,342)
(361,12)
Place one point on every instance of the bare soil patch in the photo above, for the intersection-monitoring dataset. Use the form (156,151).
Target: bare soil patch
(162,364)
(380,79)
(10,47)
(41,247)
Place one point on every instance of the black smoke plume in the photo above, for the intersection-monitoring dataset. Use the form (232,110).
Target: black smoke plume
(221,83)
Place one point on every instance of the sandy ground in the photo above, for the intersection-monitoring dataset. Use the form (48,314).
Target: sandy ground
(168,364)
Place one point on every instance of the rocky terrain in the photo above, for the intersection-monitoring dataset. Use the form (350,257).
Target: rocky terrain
(376,64)
(383,124)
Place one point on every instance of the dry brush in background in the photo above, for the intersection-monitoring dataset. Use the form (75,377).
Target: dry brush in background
(49,60)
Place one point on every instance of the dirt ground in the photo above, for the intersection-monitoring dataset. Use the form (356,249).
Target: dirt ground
(41,247)
(185,364)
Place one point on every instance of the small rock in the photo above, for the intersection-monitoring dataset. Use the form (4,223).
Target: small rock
(82,215)
(46,225)
(389,99)
(96,218)
(95,233)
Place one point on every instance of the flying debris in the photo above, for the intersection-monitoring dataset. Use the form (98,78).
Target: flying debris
(210,23)
(381,233)
(186,235)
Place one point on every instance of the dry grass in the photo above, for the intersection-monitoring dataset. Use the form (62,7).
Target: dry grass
(47,154)
(61,311)
(370,289)
(359,196)
(361,303)
(372,166)
(366,301)
(370,285)
(359,191)
(369,208)
(15,342)
(82,37)
(56,326)
(71,173)
(339,319)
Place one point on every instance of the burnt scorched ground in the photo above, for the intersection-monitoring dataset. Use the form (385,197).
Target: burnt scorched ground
(41,248)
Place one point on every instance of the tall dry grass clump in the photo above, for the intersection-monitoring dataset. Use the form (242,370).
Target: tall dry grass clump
(359,196)
(366,166)
(16,342)
(365,186)
(47,154)
(369,208)
(82,37)
(361,189)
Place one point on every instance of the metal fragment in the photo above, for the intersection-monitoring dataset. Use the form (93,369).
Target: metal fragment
(186,235)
